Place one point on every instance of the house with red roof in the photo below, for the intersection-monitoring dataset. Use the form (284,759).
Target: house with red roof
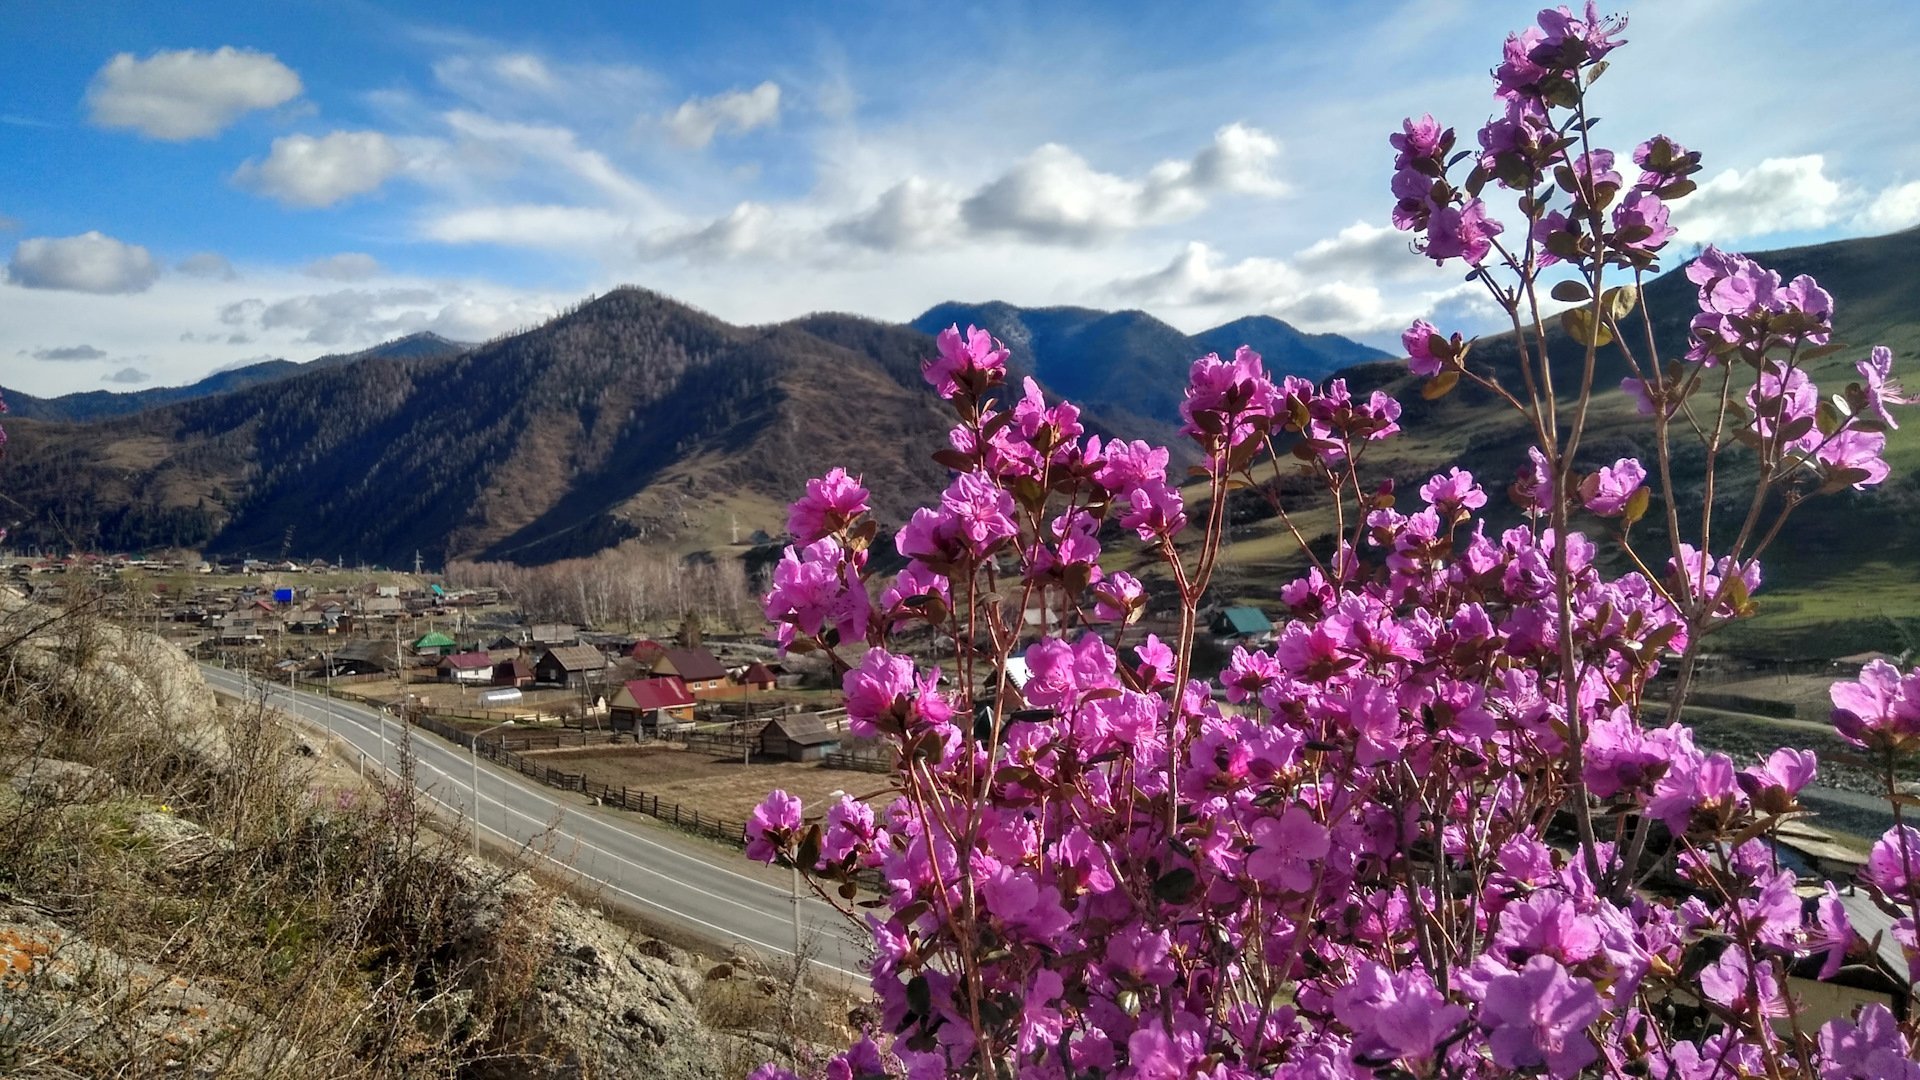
(651,706)
(467,667)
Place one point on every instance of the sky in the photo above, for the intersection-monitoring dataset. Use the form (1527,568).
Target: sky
(188,188)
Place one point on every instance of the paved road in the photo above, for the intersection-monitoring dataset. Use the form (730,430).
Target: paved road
(714,894)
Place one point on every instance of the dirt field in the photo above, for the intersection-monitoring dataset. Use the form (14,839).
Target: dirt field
(721,786)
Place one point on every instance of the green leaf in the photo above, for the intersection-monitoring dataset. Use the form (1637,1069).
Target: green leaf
(1620,300)
(1637,505)
(1440,385)
(1571,291)
(1581,327)
(1176,885)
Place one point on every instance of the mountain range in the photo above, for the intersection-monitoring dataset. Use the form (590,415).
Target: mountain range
(634,418)
(101,404)
(630,417)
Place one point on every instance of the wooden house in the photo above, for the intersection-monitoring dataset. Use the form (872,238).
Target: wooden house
(651,706)
(515,672)
(466,667)
(758,678)
(798,737)
(697,668)
(572,666)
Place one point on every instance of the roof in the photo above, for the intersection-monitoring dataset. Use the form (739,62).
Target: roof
(1247,620)
(551,632)
(756,673)
(516,667)
(806,729)
(367,652)
(434,640)
(664,692)
(644,650)
(695,665)
(577,657)
(468,661)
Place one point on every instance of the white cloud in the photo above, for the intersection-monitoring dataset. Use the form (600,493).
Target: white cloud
(366,316)
(188,94)
(346,266)
(1055,196)
(1895,208)
(301,170)
(1196,278)
(1364,249)
(127,375)
(243,362)
(735,112)
(70,352)
(207,264)
(748,229)
(914,214)
(561,228)
(1777,195)
(91,262)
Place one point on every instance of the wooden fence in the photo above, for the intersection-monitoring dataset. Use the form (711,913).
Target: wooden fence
(686,818)
(857,762)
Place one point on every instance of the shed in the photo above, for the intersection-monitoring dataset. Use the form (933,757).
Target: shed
(574,666)
(696,667)
(515,672)
(554,634)
(798,737)
(467,667)
(363,658)
(757,676)
(1242,624)
(647,705)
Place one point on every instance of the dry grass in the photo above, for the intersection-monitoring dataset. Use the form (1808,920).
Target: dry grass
(722,787)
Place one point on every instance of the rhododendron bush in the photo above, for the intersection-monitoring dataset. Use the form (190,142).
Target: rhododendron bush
(1438,829)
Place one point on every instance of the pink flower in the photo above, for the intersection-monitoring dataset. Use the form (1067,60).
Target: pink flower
(1465,233)
(1418,139)
(830,503)
(1119,597)
(1154,510)
(816,589)
(1418,341)
(973,363)
(1880,390)
(774,826)
(1640,223)
(1608,491)
(1880,710)
(1893,866)
(978,512)
(1453,493)
(850,832)
(1285,849)
(1532,489)
(1395,1015)
(877,692)
(1537,1017)
(1228,398)
(1855,453)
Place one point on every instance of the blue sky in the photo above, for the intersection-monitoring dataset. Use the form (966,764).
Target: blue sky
(191,187)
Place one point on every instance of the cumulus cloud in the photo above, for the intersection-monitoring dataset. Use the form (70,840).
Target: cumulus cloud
(127,376)
(301,170)
(735,112)
(1055,196)
(346,266)
(912,215)
(366,316)
(207,264)
(1893,209)
(1363,249)
(189,93)
(748,229)
(70,352)
(1777,195)
(91,262)
(1197,277)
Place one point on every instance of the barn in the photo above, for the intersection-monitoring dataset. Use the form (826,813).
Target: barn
(651,706)
(798,737)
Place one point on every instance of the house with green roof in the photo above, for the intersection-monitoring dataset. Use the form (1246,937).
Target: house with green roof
(435,644)
(1243,624)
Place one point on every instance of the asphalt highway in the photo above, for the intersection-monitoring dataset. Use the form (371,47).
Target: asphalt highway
(715,894)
